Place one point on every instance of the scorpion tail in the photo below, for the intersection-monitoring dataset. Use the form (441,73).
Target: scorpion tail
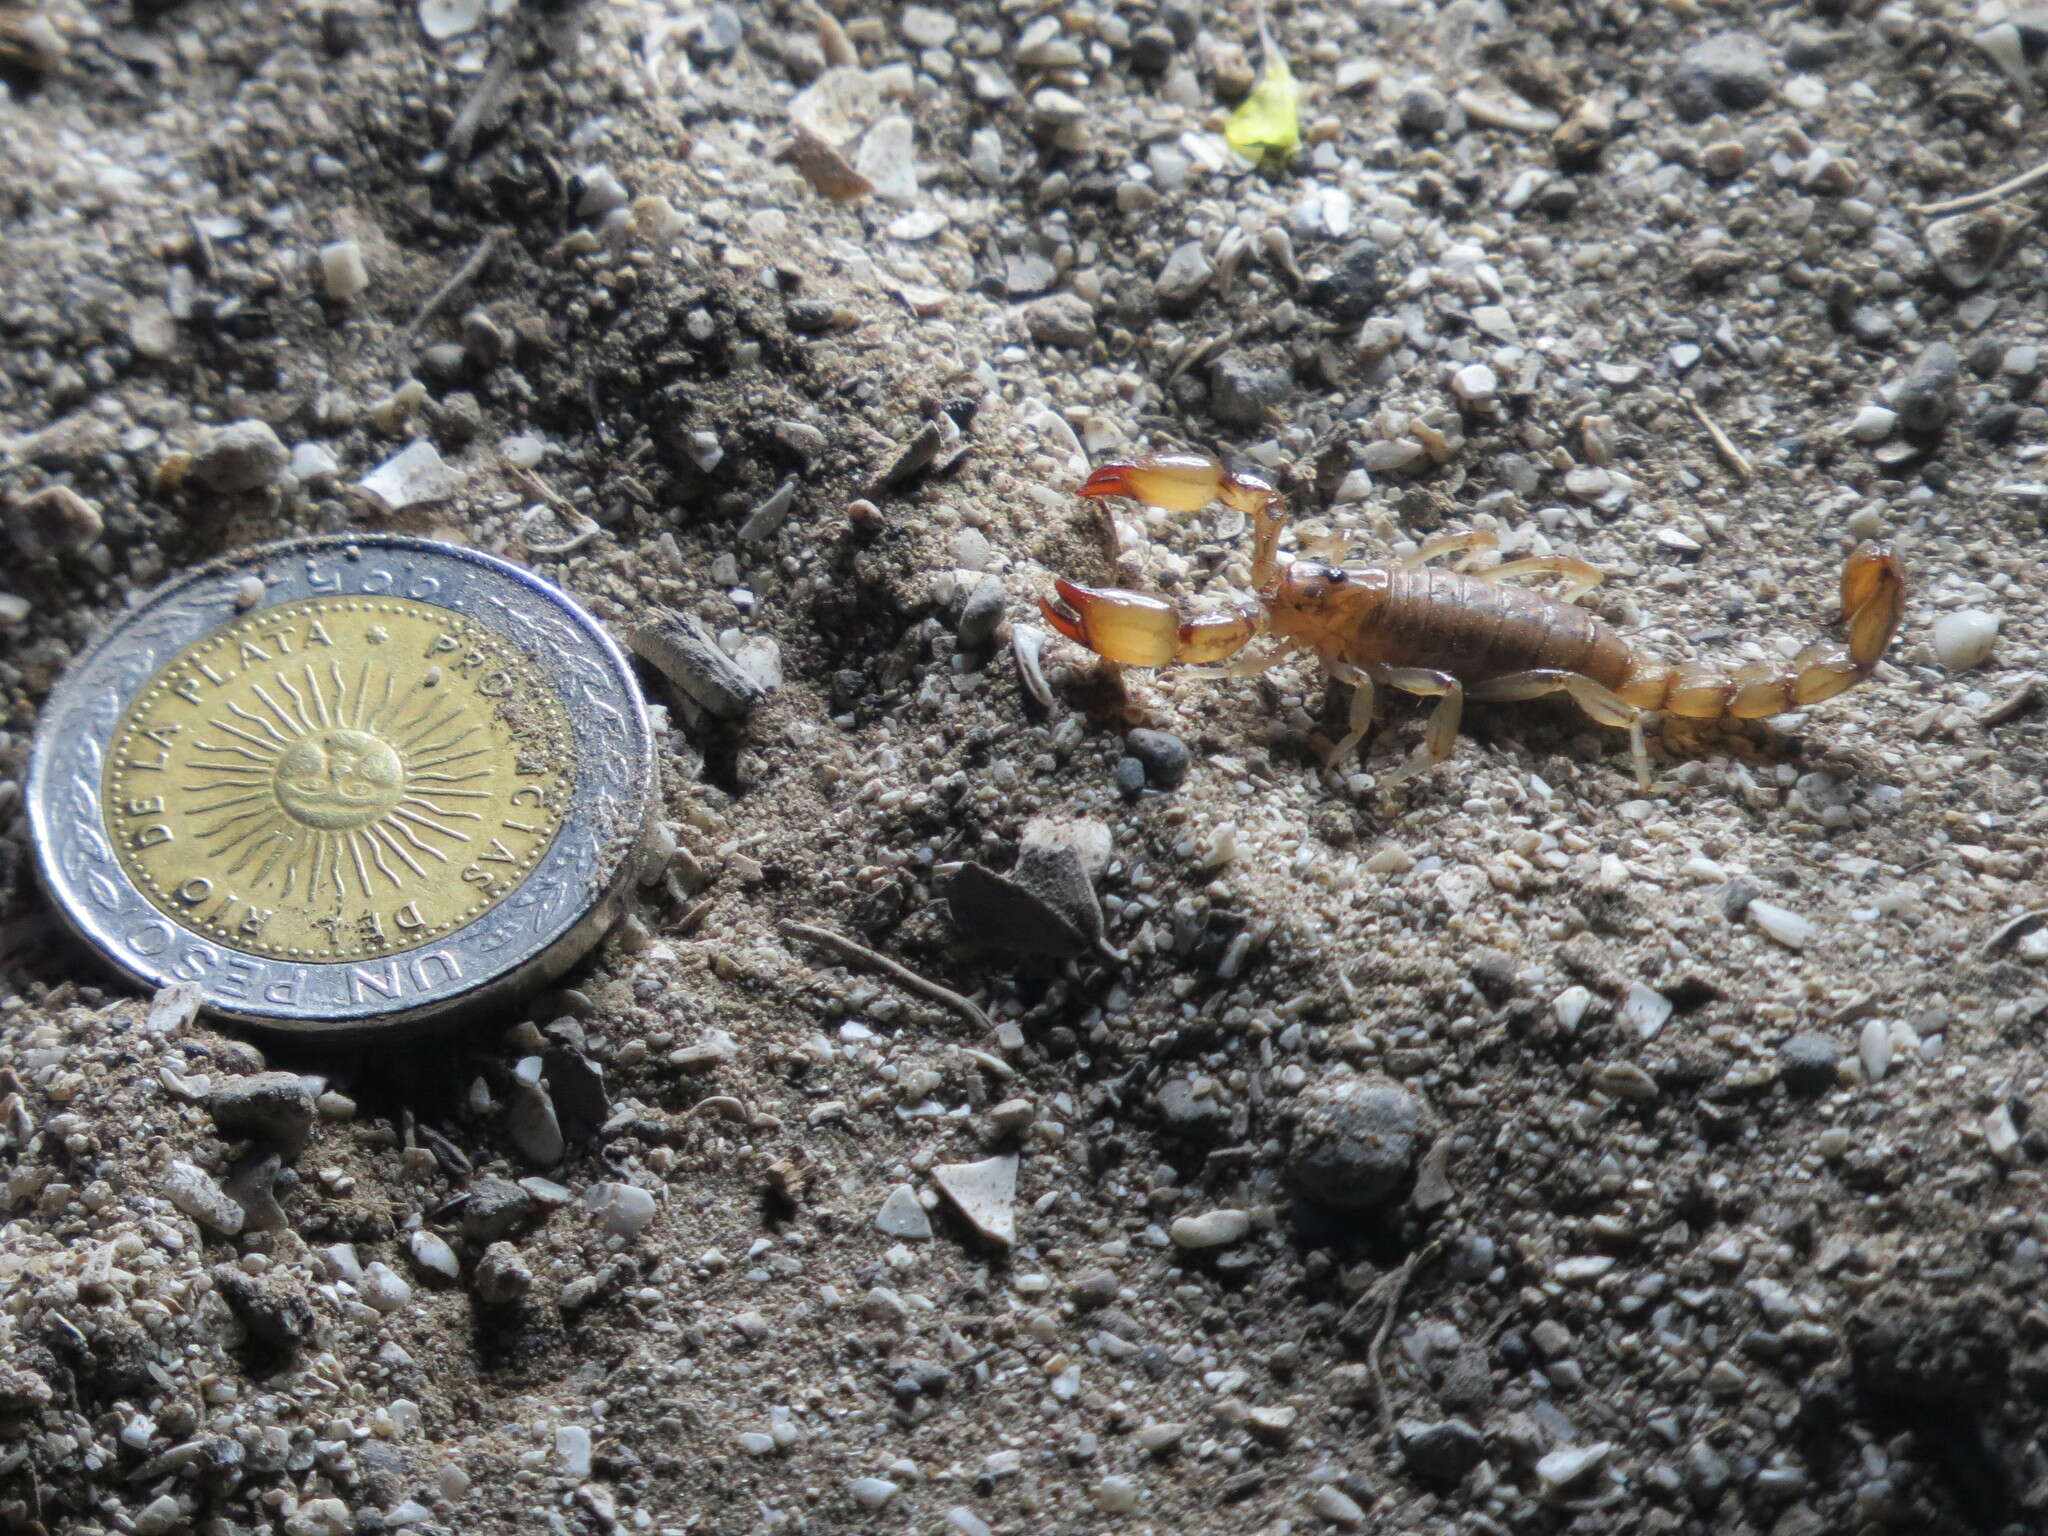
(1873,603)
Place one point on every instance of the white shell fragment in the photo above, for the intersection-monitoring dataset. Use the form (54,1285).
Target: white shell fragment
(888,159)
(192,1190)
(413,477)
(1782,924)
(1874,1050)
(902,1216)
(985,1193)
(1645,1009)
(624,1209)
(443,19)
(837,105)
(1963,640)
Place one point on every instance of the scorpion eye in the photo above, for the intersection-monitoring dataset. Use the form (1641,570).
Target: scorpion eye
(1338,575)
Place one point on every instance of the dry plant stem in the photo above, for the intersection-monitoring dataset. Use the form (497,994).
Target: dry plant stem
(489,94)
(460,279)
(1736,460)
(1392,1286)
(946,997)
(1989,195)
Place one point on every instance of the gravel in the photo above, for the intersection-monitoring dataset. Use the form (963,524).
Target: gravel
(1506,283)
(245,456)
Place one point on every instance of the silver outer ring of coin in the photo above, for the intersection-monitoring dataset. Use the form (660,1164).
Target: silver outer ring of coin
(562,907)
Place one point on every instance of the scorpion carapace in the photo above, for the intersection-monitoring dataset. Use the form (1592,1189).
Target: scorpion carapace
(1446,634)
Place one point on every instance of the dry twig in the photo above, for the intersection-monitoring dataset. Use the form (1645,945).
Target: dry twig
(1736,460)
(1989,195)
(946,997)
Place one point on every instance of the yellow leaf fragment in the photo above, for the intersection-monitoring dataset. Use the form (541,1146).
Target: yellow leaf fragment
(1266,127)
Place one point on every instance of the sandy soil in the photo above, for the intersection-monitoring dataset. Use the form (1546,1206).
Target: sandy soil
(1514,1151)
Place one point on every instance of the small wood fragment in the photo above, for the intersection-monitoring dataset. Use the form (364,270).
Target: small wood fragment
(945,996)
(1736,460)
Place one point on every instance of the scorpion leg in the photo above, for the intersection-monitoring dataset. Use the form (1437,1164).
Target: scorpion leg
(1440,736)
(1360,721)
(1451,544)
(1580,578)
(1603,704)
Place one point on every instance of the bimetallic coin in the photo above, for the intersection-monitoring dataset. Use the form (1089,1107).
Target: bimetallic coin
(408,778)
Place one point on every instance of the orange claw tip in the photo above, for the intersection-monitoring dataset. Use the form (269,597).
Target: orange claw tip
(1173,482)
(1126,627)
(1068,624)
(1106,480)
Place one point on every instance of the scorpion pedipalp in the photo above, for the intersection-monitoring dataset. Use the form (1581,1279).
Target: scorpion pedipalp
(1141,631)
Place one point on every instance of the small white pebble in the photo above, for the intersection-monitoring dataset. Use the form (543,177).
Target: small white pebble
(1962,640)
(1337,1506)
(1782,924)
(1875,1049)
(342,272)
(1390,860)
(1475,384)
(871,1492)
(384,1288)
(1211,1229)
(433,1254)
(1569,1007)
(1645,1009)
(572,1450)
(1115,1495)
(523,450)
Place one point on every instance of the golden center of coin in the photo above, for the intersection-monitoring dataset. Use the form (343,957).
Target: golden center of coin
(338,778)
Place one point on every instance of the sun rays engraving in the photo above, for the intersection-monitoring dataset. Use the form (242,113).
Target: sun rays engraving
(338,778)
(333,785)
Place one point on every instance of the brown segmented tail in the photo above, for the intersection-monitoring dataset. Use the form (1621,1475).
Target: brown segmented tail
(1873,604)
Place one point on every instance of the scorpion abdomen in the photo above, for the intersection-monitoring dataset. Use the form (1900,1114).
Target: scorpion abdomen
(1476,630)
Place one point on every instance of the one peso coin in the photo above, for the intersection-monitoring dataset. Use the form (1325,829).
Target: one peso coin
(344,782)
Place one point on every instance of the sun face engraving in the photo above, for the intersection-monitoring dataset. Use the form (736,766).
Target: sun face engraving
(338,778)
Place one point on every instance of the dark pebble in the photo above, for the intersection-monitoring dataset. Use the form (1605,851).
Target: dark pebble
(1244,392)
(1354,286)
(982,613)
(274,1108)
(1203,1120)
(1809,47)
(717,36)
(1442,1452)
(1926,397)
(1996,425)
(1130,777)
(1934,1356)
(1354,1142)
(1163,755)
(1152,50)
(1807,1064)
(1730,73)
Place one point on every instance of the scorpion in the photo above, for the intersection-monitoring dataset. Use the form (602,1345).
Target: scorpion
(1446,634)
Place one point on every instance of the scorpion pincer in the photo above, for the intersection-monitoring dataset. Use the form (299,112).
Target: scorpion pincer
(1450,635)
